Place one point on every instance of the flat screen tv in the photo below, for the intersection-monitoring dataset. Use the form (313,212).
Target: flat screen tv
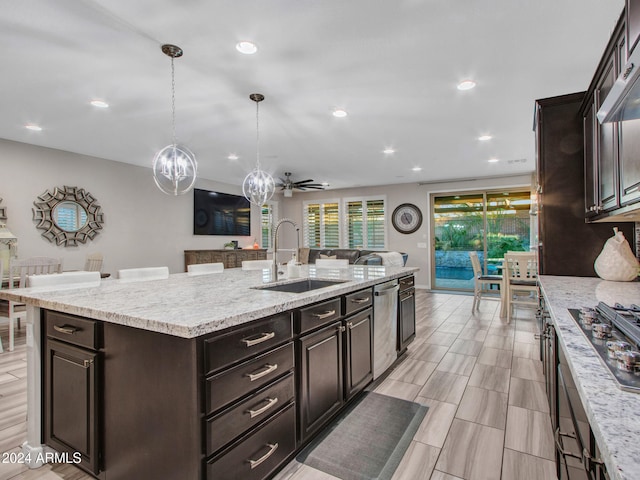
(216,213)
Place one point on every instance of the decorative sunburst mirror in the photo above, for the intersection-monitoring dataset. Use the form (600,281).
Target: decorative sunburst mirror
(68,216)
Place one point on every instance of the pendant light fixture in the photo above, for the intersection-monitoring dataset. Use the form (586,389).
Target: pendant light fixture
(258,186)
(175,166)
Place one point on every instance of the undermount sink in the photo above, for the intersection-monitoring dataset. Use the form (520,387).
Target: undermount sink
(301,285)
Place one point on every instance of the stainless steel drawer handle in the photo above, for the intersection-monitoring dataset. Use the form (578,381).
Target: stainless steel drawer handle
(263,337)
(323,315)
(66,329)
(272,448)
(360,300)
(267,370)
(270,403)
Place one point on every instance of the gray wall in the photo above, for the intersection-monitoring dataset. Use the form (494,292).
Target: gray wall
(419,256)
(143,226)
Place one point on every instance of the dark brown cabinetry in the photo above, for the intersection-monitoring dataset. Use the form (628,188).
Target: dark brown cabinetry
(72,394)
(612,150)
(577,454)
(567,245)
(250,399)
(335,361)
(406,313)
(234,404)
(632,17)
(230,258)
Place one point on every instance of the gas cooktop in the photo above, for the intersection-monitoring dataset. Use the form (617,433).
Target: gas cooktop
(614,333)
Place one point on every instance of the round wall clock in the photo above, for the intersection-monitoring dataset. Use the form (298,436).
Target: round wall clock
(406,218)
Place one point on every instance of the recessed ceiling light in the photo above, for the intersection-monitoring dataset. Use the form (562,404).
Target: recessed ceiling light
(99,103)
(340,113)
(484,138)
(493,160)
(466,85)
(389,150)
(33,127)
(416,169)
(248,48)
(232,156)
(325,184)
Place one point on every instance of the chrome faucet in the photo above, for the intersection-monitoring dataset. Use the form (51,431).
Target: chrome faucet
(275,243)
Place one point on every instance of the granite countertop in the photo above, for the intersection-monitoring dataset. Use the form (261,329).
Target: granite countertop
(190,306)
(614,414)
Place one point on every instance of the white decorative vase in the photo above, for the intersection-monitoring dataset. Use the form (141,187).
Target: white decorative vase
(616,262)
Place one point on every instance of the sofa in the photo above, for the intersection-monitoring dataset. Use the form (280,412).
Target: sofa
(355,256)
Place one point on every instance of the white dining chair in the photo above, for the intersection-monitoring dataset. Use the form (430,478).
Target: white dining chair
(204,268)
(256,264)
(20,270)
(93,262)
(332,263)
(482,283)
(520,273)
(86,279)
(142,274)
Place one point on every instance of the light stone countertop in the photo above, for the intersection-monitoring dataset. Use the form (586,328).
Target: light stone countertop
(614,414)
(190,306)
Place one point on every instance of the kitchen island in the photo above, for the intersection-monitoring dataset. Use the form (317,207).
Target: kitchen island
(156,361)
(613,414)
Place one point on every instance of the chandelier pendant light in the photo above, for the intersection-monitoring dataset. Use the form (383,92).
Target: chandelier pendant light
(258,186)
(174,167)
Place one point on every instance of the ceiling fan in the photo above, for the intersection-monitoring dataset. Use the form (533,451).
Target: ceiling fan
(288,185)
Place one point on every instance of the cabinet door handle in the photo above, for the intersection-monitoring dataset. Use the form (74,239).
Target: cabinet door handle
(350,324)
(66,329)
(341,328)
(360,300)
(560,446)
(272,448)
(263,337)
(321,316)
(87,363)
(267,370)
(270,403)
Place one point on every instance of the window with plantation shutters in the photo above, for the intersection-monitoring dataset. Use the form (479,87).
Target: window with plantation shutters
(322,224)
(268,215)
(365,223)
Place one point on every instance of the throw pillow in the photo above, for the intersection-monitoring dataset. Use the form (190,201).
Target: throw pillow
(328,256)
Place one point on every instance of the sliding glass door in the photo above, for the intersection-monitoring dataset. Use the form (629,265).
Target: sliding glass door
(488,222)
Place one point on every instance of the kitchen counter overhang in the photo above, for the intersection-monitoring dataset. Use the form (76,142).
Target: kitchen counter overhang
(190,306)
(612,412)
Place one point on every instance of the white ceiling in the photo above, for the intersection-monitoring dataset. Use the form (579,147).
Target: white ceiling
(392,64)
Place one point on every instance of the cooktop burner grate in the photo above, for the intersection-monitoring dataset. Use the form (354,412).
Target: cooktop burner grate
(623,328)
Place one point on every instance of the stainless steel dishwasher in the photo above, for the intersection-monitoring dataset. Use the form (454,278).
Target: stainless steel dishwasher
(385,326)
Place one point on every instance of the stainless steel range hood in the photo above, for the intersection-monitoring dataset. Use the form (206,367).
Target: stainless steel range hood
(623,101)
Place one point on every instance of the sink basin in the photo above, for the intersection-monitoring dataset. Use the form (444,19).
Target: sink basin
(301,285)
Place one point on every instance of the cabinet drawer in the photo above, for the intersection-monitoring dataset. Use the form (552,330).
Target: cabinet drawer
(406,282)
(318,315)
(256,456)
(236,420)
(358,300)
(71,329)
(236,382)
(246,342)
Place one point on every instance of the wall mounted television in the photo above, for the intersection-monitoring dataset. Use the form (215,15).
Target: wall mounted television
(216,213)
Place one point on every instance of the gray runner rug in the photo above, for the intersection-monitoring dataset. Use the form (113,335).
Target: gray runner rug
(368,440)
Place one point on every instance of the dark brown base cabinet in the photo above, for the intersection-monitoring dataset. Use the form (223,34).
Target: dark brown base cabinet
(335,362)
(235,404)
(577,454)
(406,313)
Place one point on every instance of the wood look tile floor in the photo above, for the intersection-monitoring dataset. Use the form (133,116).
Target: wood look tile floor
(480,377)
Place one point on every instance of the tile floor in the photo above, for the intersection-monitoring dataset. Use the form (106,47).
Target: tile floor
(481,378)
